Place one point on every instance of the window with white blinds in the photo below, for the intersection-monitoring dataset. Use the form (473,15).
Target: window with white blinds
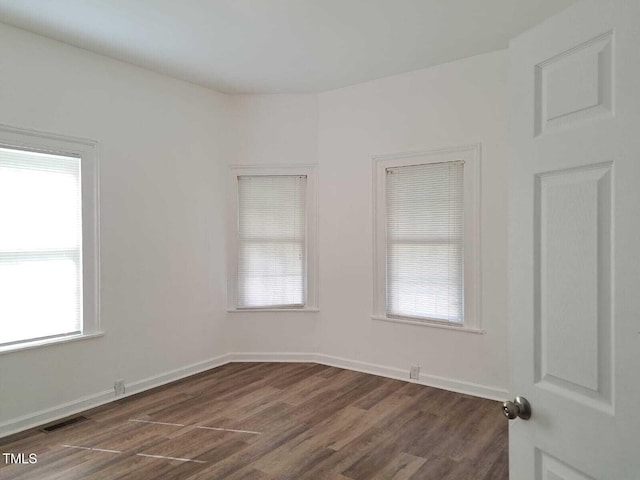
(424,241)
(272,249)
(40,246)
(427,238)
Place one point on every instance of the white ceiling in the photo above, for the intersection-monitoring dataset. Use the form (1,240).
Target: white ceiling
(277,46)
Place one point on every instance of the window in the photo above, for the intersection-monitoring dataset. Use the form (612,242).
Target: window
(48,286)
(271,241)
(274,244)
(424,241)
(426,215)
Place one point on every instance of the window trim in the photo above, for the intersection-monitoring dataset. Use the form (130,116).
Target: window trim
(87,151)
(471,155)
(311,300)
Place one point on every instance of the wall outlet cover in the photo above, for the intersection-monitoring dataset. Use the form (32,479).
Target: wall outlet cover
(414,373)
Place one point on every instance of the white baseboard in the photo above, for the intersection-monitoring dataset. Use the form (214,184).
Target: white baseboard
(91,401)
(173,375)
(468,388)
(49,415)
(283,357)
(459,386)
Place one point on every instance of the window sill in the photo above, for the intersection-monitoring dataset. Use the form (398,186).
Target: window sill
(423,323)
(262,310)
(18,347)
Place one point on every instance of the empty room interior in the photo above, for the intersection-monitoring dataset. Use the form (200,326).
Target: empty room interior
(308,239)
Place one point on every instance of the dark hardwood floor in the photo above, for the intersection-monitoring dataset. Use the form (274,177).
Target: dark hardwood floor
(249,421)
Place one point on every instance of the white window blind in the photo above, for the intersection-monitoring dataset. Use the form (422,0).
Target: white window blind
(40,246)
(271,241)
(424,225)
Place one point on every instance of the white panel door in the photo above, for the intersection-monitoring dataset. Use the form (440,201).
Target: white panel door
(574,95)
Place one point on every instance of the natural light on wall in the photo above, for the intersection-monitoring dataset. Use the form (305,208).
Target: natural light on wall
(40,246)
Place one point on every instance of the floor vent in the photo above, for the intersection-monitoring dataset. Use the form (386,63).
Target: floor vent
(63,423)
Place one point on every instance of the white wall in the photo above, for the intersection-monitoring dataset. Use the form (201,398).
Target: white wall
(274,130)
(455,104)
(165,151)
(163,144)
(460,103)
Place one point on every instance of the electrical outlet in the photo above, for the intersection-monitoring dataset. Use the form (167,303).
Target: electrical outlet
(414,373)
(118,386)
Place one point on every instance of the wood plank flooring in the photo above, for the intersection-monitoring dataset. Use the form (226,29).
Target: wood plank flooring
(268,421)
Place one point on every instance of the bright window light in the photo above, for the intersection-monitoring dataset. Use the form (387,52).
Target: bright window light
(40,246)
